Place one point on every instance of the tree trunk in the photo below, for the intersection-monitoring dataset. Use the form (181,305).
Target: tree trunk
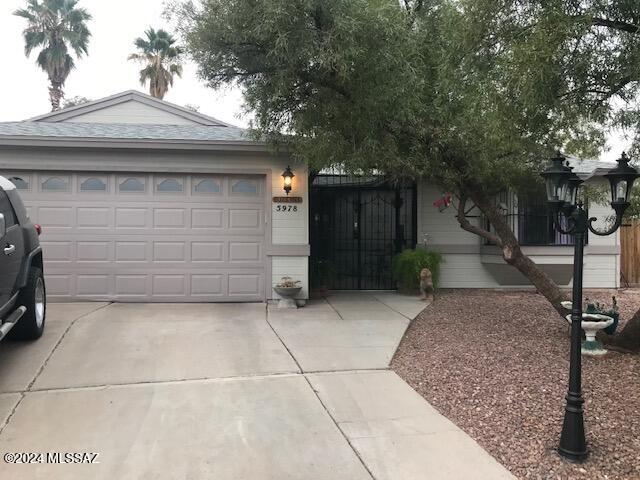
(628,339)
(512,253)
(55,95)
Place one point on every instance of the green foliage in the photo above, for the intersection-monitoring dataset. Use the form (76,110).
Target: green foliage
(469,94)
(633,212)
(406,267)
(56,27)
(161,59)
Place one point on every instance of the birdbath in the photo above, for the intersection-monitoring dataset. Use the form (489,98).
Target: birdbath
(287,289)
(591,323)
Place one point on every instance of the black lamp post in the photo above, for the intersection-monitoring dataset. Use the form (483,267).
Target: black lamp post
(562,195)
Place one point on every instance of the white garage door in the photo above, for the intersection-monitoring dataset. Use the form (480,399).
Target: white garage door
(142,237)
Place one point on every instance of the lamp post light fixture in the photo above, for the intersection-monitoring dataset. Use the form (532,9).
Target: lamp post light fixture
(563,186)
(288,179)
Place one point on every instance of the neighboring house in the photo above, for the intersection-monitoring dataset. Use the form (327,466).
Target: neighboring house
(142,200)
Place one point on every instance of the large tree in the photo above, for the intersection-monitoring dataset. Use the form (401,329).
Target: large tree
(56,27)
(161,58)
(471,95)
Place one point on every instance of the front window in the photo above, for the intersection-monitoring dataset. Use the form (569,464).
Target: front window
(530,219)
(535,223)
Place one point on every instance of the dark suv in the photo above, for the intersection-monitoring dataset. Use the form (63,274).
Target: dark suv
(22,293)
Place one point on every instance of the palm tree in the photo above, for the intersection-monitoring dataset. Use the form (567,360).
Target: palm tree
(162,59)
(57,26)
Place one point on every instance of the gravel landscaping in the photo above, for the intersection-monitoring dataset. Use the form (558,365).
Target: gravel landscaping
(496,364)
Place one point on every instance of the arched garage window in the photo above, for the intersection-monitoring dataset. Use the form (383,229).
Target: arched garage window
(93,185)
(20,183)
(55,184)
(131,185)
(247,187)
(169,185)
(207,186)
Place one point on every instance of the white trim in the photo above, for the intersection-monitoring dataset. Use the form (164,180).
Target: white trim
(6,184)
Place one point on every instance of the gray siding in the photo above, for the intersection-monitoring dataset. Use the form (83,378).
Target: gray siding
(131,112)
(466,267)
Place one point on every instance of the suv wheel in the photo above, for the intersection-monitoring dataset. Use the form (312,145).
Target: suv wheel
(33,296)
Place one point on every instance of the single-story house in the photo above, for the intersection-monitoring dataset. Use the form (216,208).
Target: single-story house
(143,200)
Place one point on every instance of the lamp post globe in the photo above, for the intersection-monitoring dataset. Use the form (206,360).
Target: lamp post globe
(621,180)
(556,178)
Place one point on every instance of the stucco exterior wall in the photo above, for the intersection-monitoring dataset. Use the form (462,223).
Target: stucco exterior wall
(470,264)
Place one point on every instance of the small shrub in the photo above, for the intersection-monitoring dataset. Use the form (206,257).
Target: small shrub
(406,267)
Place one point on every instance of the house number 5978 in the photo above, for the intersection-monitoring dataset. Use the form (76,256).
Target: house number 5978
(286,208)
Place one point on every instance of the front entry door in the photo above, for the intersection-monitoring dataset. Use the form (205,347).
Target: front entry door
(357,225)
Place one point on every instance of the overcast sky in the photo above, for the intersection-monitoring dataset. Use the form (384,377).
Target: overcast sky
(105,71)
(115,25)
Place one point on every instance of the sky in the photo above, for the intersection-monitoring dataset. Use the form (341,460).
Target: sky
(106,71)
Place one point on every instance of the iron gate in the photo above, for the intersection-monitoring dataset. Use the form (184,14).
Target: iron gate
(357,225)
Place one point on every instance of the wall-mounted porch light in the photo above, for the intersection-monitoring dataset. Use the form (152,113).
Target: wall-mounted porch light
(288,179)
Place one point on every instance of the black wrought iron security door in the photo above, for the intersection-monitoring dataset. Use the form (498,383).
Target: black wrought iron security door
(357,224)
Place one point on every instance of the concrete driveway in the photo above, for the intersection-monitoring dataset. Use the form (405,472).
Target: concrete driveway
(225,391)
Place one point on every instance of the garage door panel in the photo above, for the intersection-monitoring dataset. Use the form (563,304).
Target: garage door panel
(89,251)
(244,284)
(169,218)
(131,251)
(92,285)
(131,218)
(208,285)
(245,218)
(59,285)
(93,217)
(169,252)
(131,285)
(207,252)
(58,251)
(204,243)
(55,217)
(168,285)
(207,218)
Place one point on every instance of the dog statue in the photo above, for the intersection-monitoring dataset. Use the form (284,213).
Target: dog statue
(426,284)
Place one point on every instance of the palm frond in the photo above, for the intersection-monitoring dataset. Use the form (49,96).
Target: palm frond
(58,27)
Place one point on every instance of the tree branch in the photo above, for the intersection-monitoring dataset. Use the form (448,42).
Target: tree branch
(616,25)
(466,225)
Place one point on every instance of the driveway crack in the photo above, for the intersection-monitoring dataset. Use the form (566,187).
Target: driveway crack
(266,317)
(362,462)
(44,364)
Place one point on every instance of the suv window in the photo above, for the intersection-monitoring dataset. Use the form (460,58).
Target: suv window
(7,210)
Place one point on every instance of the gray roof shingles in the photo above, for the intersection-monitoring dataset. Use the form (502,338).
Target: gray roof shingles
(187,133)
(121,131)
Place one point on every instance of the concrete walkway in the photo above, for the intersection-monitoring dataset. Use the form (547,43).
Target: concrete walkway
(226,392)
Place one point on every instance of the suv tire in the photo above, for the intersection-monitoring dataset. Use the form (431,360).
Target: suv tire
(33,296)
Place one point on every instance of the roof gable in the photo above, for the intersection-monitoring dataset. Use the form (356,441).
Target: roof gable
(129,107)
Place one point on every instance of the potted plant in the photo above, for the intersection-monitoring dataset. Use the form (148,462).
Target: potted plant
(406,266)
(287,289)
